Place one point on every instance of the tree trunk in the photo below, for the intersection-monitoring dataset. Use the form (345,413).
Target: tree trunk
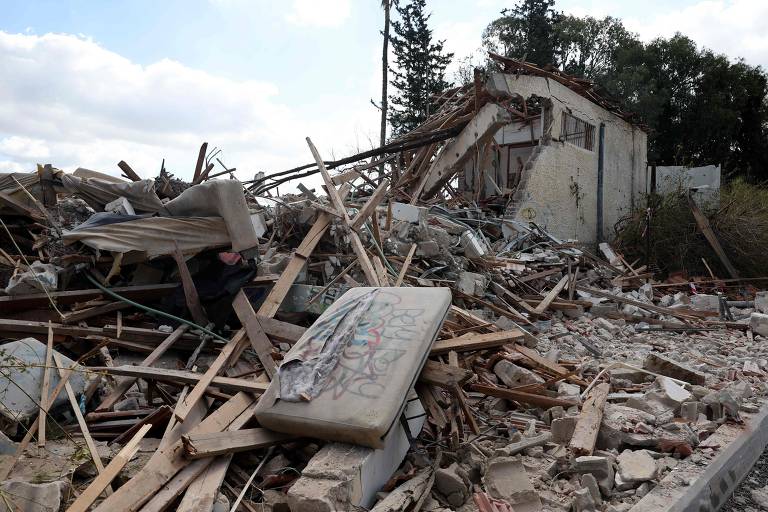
(386,4)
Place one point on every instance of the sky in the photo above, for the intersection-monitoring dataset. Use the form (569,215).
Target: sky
(87,83)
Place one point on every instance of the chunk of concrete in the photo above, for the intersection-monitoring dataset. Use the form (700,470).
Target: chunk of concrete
(513,375)
(23,380)
(761,302)
(604,323)
(663,365)
(474,246)
(451,485)
(758,322)
(471,283)
(704,302)
(505,478)
(599,467)
(562,429)
(636,466)
(121,206)
(618,427)
(589,481)
(29,497)
(409,213)
(583,501)
(673,391)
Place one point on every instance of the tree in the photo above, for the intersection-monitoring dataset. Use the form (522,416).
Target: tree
(387,6)
(525,31)
(419,71)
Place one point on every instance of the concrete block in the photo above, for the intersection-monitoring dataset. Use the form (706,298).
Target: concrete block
(505,478)
(761,302)
(474,246)
(599,467)
(704,302)
(589,481)
(758,322)
(121,206)
(663,365)
(451,485)
(673,391)
(690,411)
(583,501)
(604,309)
(562,429)
(29,497)
(471,283)
(409,213)
(636,466)
(606,324)
(513,375)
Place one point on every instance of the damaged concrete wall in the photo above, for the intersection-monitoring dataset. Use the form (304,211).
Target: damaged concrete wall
(705,179)
(558,187)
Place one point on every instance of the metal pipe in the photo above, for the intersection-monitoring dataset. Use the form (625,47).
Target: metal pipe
(600,165)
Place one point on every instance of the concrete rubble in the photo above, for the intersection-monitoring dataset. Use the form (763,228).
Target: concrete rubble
(145,321)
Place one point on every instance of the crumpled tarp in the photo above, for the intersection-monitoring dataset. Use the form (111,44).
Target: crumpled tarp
(154,236)
(304,374)
(98,192)
(223,198)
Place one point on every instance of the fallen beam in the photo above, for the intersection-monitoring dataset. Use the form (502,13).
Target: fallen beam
(183,377)
(199,446)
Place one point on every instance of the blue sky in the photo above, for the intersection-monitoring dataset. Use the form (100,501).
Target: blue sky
(88,83)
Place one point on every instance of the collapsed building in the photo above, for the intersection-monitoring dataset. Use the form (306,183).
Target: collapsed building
(407,338)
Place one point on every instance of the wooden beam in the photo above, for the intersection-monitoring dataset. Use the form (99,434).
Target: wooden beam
(523,397)
(22,209)
(370,206)
(202,492)
(706,229)
(554,292)
(259,341)
(298,260)
(406,264)
(444,375)
(27,301)
(219,443)
(200,161)
(80,420)
(590,418)
(44,403)
(159,416)
(118,462)
(184,377)
(472,342)
(190,292)
(125,384)
(169,460)
(77,316)
(128,171)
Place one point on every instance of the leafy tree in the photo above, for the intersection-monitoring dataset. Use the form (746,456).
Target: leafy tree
(525,31)
(419,71)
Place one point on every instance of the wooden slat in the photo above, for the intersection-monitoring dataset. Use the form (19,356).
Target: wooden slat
(125,384)
(118,462)
(258,339)
(37,300)
(44,403)
(406,264)
(184,377)
(706,229)
(190,292)
(370,206)
(208,445)
(554,292)
(157,417)
(477,342)
(590,417)
(444,375)
(83,314)
(202,492)
(170,460)
(523,397)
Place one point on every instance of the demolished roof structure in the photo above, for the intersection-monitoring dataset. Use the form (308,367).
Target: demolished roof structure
(388,343)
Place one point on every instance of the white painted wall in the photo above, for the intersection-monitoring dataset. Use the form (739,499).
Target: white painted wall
(671,178)
(559,191)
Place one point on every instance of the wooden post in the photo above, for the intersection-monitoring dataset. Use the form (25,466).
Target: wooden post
(590,418)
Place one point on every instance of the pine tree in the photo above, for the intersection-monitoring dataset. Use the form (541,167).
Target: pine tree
(419,71)
(525,31)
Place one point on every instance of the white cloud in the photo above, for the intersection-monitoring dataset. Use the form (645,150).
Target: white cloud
(317,13)
(738,28)
(66,100)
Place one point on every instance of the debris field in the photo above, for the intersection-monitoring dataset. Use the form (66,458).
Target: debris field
(383,342)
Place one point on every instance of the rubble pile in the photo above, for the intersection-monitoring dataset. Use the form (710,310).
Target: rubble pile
(385,343)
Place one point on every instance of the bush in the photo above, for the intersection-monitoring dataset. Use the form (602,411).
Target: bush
(739,220)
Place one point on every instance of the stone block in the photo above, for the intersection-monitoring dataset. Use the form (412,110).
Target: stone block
(505,478)
(704,302)
(513,375)
(663,365)
(562,429)
(758,322)
(761,302)
(451,485)
(599,467)
(636,466)
(29,497)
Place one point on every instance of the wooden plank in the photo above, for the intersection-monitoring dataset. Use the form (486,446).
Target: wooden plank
(281,331)
(706,229)
(405,266)
(554,368)
(444,375)
(184,377)
(157,417)
(83,314)
(537,275)
(191,297)
(590,418)
(128,171)
(280,290)
(436,412)
(259,341)
(554,292)
(44,403)
(170,460)
(345,177)
(196,177)
(381,272)
(80,420)
(202,492)
(118,462)
(370,206)
(477,342)
(27,301)
(187,476)
(523,397)
(125,384)
(234,346)
(199,446)
(686,315)
(22,209)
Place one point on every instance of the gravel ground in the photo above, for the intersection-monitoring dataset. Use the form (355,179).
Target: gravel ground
(752,494)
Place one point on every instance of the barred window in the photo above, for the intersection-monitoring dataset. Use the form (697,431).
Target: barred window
(577,132)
